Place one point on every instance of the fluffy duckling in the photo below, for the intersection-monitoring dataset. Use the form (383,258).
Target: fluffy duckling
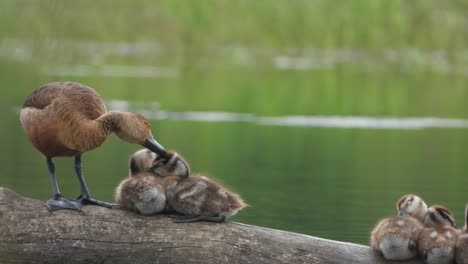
(396,237)
(197,198)
(141,191)
(436,244)
(461,247)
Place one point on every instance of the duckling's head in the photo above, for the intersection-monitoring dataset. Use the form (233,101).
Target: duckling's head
(438,215)
(174,166)
(147,161)
(141,161)
(134,128)
(412,205)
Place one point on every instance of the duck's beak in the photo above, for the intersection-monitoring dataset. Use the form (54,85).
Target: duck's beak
(154,146)
(402,212)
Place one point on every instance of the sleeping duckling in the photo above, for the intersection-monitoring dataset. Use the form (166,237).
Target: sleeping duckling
(396,237)
(436,244)
(461,247)
(197,198)
(201,199)
(141,191)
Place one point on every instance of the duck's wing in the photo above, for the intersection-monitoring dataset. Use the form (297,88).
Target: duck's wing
(82,98)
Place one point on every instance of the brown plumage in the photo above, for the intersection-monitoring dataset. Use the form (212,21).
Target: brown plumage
(461,247)
(195,197)
(436,244)
(395,237)
(141,191)
(200,198)
(68,119)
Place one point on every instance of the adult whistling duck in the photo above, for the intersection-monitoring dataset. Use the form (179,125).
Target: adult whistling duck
(66,119)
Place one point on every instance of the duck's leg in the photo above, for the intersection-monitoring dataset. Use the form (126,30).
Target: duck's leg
(58,202)
(85,196)
(196,218)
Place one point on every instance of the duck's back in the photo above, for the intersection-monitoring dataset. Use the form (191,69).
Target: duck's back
(79,98)
(56,118)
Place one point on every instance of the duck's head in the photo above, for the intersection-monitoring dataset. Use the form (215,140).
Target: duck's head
(134,128)
(412,205)
(141,161)
(173,166)
(438,215)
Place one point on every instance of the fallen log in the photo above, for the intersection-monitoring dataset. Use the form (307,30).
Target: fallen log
(31,234)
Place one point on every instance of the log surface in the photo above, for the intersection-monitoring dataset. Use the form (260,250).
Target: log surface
(31,234)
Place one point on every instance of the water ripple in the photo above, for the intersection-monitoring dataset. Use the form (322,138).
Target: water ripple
(153,111)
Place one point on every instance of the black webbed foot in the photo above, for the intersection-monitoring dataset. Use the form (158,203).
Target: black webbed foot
(88,200)
(196,218)
(59,202)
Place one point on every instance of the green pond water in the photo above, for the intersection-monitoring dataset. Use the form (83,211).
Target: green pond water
(320,114)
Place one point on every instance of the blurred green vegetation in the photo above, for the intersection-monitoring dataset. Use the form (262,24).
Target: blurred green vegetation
(269,58)
(362,24)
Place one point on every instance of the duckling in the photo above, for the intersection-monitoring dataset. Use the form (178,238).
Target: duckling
(436,244)
(412,205)
(142,191)
(197,197)
(461,247)
(63,119)
(395,237)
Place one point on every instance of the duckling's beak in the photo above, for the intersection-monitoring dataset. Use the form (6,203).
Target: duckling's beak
(402,212)
(154,146)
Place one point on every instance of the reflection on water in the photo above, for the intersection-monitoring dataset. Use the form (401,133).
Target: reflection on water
(152,111)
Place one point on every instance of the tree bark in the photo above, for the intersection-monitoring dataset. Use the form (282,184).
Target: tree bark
(31,234)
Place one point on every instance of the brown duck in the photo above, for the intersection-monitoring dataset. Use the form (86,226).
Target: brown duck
(65,119)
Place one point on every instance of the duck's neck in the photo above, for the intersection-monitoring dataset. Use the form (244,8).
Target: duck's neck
(88,134)
(99,129)
(109,122)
